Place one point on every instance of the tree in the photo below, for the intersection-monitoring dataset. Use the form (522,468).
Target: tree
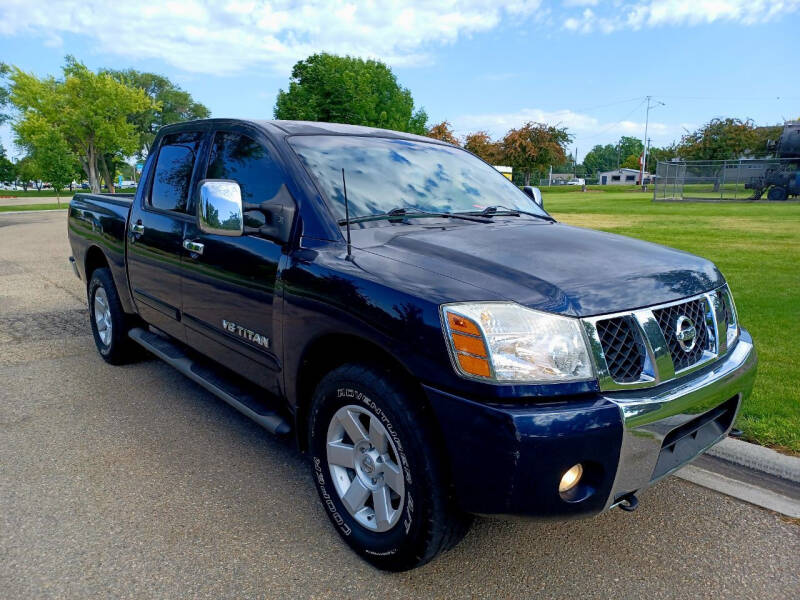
(91,112)
(170,104)
(720,139)
(482,144)
(27,171)
(601,158)
(344,89)
(5,94)
(8,171)
(442,131)
(628,146)
(56,163)
(656,155)
(631,162)
(535,146)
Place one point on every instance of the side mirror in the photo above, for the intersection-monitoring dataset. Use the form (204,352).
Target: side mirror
(219,211)
(272,218)
(534,194)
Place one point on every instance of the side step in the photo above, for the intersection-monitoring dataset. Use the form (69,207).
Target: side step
(213,379)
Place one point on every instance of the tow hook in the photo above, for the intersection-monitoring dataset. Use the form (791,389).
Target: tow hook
(629,503)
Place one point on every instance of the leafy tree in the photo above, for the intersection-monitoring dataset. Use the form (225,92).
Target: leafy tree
(631,162)
(8,170)
(170,104)
(535,146)
(720,139)
(56,163)
(601,158)
(5,70)
(345,89)
(91,112)
(442,131)
(628,146)
(482,144)
(27,171)
(656,155)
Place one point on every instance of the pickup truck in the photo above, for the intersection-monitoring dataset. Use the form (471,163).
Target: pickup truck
(433,339)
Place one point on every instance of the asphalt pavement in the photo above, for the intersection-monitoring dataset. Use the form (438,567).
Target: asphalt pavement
(133,482)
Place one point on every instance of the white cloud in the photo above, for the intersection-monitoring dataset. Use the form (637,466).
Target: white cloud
(229,36)
(614,15)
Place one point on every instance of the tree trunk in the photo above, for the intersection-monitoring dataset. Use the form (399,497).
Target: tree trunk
(90,166)
(108,179)
(527,178)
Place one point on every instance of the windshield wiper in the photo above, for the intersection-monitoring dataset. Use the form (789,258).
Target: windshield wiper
(402,212)
(503,211)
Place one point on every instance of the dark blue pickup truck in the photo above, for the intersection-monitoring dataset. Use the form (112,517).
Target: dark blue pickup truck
(438,344)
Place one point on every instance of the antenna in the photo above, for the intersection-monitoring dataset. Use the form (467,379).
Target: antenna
(346,215)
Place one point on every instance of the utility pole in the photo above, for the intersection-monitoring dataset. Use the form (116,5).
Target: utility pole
(646,123)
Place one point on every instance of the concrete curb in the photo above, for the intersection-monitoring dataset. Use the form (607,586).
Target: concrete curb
(757,458)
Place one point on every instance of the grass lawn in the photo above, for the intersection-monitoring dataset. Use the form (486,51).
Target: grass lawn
(54,205)
(757,248)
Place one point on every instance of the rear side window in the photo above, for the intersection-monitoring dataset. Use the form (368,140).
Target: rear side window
(173,173)
(246,161)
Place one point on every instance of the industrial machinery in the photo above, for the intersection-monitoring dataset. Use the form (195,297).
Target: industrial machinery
(782,179)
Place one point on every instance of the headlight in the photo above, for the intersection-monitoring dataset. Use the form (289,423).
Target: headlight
(503,341)
(730,313)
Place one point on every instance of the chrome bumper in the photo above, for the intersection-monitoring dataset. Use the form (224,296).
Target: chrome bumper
(649,415)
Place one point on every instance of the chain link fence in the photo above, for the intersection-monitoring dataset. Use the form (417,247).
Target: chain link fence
(713,180)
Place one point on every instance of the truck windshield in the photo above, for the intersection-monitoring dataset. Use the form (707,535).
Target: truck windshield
(385,174)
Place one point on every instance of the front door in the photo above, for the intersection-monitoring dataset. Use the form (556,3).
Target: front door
(156,232)
(229,287)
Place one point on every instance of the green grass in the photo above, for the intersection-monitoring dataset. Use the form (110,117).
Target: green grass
(38,194)
(757,247)
(54,205)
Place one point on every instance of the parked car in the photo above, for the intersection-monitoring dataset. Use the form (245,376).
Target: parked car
(434,340)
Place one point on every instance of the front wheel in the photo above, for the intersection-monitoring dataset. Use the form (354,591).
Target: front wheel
(777,193)
(377,470)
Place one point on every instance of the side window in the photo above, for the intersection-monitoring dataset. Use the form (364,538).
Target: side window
(244,160)
(173,172)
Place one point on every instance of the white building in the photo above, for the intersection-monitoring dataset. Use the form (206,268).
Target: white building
(621,177)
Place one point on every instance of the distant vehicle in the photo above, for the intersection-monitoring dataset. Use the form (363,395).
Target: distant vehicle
(781,181)
(84,186)
(441,353)
(127,184)
(579,181)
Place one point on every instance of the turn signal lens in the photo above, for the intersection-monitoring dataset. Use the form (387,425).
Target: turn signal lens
(474,365)
(462,324)
(571,478)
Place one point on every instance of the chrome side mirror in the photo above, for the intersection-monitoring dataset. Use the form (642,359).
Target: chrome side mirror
(219,211)
(535,194)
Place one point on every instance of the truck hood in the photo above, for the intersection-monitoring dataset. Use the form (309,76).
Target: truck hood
(546,266)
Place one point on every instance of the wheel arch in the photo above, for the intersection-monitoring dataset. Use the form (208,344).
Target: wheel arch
(95,259)
(329,351)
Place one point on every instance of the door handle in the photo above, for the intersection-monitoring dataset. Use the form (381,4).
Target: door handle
(137,229)
(193,247)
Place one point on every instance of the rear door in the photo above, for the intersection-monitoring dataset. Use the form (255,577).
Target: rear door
(156,231)
(229,288)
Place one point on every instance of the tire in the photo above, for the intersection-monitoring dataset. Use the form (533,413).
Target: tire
(110,324)
(776,192)
(420,519)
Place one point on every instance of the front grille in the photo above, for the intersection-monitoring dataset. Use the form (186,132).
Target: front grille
(695,311)
(623,349)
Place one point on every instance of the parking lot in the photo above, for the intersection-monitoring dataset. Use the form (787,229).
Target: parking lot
(135,482)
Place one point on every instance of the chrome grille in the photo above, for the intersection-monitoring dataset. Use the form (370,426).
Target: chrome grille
(645,347)
(695,311)
(622,348)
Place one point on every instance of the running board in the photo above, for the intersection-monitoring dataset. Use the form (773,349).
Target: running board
(212,379)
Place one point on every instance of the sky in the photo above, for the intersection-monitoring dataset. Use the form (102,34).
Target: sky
(479,64)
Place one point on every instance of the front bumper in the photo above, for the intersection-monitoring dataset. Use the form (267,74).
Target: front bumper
(509,459)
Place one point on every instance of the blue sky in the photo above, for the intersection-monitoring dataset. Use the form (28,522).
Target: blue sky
(586,64)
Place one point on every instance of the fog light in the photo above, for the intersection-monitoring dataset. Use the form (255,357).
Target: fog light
(571,478)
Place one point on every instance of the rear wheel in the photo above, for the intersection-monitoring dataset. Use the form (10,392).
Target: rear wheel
(776,192)
(109,322)
(378,472)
